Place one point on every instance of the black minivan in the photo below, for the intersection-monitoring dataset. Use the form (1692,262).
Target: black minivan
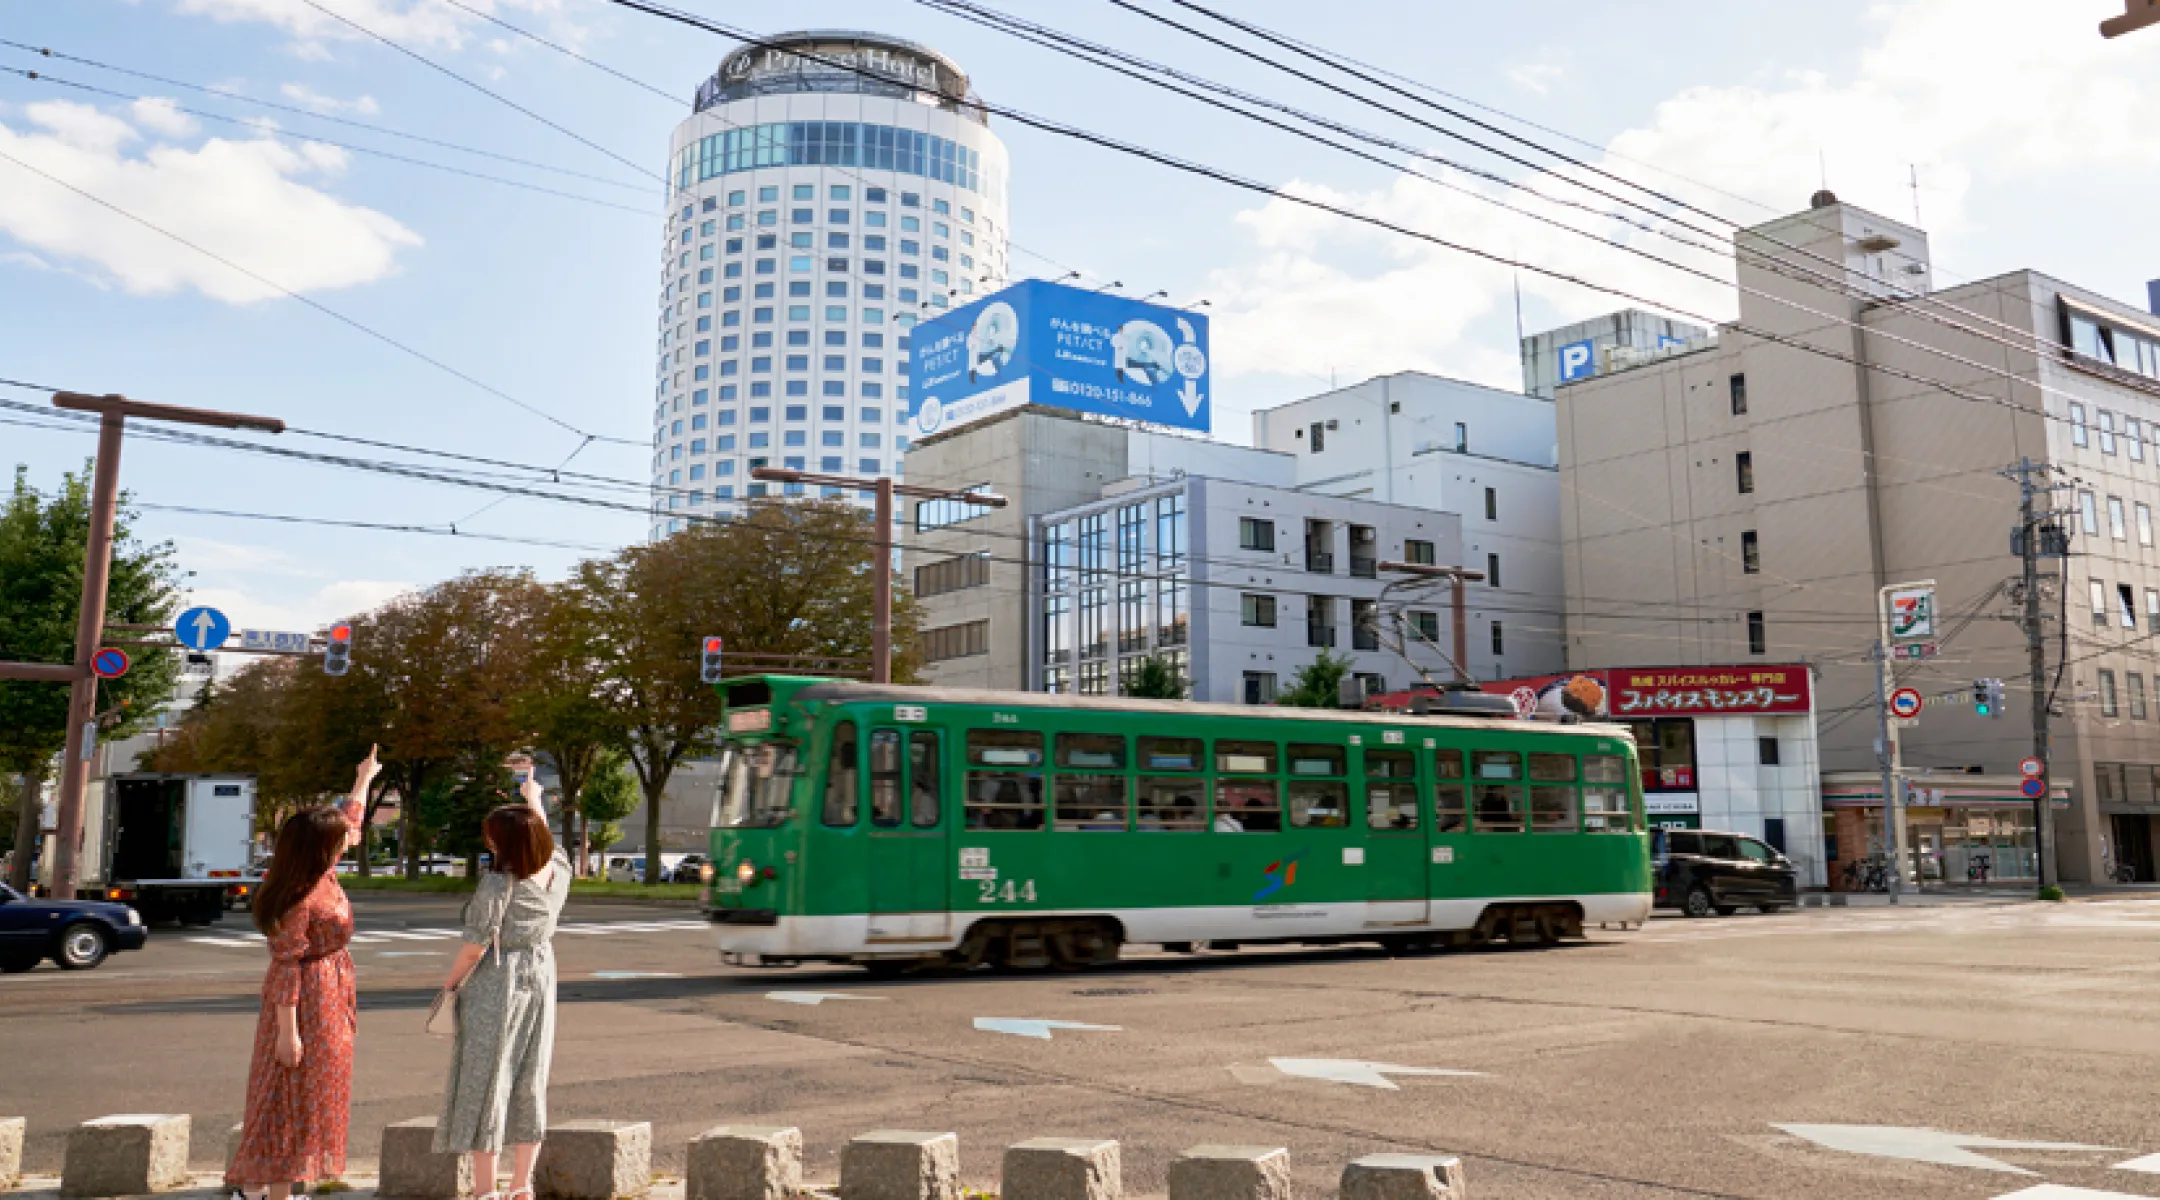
(1703,871)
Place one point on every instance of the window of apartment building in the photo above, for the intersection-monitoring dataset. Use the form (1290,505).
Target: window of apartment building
(2136,684)
(1492,504)
(1758,636)
(1415,551)
(1319,436)
(956,641)
(2088,512)
(1257,611)
(1750,553)
(1255,534)
(1171,619)
(953,574)
(1057,557)
(2144,524)
(2099,601)
(1766,751)
(1739,395)
(1492,570)
(1259,687)
(2125,606)
(1170,533)
(1462,438)
(2133,439)
(2152,611)
(1426,625)
(1320,621)
(2110,706)
(1499,640)
(1364,624)
(1744,469)
(1094,627)
(937,514)
(1132,616)
(2107,432)
(2078,436)
(2117,527)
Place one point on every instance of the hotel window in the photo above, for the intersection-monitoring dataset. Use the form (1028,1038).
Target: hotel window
(2107,432)
(2116,526)
(2144,524)
(2098,593)
(2109,705)
(2077,424)
(2088,512)
(2137,695)
(2133,439)
(2125,606)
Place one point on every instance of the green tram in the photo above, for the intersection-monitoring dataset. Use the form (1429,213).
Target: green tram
(891,826)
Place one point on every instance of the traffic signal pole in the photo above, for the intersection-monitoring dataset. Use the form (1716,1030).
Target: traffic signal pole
(90,616)
(2029,520)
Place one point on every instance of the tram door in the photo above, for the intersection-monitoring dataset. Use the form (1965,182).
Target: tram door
(1395,853)
(908,863)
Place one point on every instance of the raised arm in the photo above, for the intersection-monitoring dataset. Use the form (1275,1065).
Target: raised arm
(530,789)
(362,779)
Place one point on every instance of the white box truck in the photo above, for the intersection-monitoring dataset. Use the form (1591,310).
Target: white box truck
(172,846)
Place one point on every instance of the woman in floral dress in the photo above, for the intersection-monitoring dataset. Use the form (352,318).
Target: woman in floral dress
(299,1095)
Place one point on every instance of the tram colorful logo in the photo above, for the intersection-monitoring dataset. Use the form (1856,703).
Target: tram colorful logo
(1279,875)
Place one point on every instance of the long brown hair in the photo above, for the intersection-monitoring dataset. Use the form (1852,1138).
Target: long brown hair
(517,835)
(309,844)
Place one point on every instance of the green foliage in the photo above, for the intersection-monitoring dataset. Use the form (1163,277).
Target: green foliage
(611,794)
(1317,685)
(2051,892)
(1156,679)
(452,807)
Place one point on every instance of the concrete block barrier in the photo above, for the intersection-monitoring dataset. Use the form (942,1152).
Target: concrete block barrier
(128,1155)
(744,1162)
(894,1164)
(1231,1173)
(11,1140)
(595,1160)
(1062,1169)
(1404,1177)
(411,1170)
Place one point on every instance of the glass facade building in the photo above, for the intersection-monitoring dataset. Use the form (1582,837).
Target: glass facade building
(831,190)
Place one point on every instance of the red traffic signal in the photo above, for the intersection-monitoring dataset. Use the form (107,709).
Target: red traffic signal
(341,633)
(709,668)
(337,653)
(712,645)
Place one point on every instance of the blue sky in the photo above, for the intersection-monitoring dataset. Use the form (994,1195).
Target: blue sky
(2022,125)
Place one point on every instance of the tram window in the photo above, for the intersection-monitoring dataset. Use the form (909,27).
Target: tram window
(1171,805)
(840,777)
(1496,764)
(1605,810)
(1552,768)
(1318,760)
(1552,810)
(1091,803)
(1315,805)
(1247,805)
(1604,768)
(1447,764)
(887,810)
(1499,808)
(1391,805)
(1004,748)
(1172,754)
(1451,807)
(1390,764)
(924,800)
(1246,758)
(1004,800)
(1091,751)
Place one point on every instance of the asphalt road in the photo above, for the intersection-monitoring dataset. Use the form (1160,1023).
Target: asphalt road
(1661,1062)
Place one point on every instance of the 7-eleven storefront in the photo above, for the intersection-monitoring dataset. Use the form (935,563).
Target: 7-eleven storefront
(1959,829)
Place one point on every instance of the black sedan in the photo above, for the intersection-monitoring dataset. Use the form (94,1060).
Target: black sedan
(76,934)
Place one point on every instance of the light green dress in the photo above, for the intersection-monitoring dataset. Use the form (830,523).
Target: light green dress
(497,1093)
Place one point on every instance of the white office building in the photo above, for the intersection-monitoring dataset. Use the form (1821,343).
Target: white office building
(830,189)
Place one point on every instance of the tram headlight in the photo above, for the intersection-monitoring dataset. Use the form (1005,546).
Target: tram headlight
(705,872)
(746,873)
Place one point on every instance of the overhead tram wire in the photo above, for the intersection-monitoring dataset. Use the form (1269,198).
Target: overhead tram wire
(271,132)
(386,131)
(2022,341)
(1232,179)
(491,94)
(318,306)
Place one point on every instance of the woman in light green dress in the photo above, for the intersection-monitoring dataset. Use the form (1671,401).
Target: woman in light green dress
(504,979)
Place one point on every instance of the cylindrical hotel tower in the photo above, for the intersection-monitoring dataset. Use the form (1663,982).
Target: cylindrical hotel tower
(830,189)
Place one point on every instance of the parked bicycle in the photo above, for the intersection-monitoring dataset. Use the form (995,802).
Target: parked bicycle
(1978,869)
(1870,874)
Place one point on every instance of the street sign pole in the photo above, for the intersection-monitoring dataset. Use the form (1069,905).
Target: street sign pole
(1918,625)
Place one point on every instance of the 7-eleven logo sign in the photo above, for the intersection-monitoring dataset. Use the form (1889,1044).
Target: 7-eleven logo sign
(1912,614)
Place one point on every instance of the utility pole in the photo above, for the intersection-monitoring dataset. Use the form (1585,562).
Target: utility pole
(2137,14)
(881,565)
(90,617)
(1457,577)
(2035,531)
(1886,756)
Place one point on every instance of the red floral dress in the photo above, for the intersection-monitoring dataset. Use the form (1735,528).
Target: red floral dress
(294,1130)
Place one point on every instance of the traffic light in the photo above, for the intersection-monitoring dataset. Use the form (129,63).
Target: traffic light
(710,670)
(1988,697)
(337,650)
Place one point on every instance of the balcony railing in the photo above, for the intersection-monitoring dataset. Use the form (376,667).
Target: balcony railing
(1364,566)
(1320,635)
(1319,562)
(1362,638)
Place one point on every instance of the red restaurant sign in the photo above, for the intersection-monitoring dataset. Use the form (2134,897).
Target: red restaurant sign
(1640,693)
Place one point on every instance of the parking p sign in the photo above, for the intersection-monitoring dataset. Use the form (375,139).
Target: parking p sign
(1578,360)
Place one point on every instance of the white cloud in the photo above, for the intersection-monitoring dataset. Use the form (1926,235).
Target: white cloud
(418,24)
(1971,91)
(1536,77)
(296,611)
(307,97)
(159,114)
(243,200)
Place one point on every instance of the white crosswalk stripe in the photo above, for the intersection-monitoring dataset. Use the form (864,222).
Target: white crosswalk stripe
(246,940)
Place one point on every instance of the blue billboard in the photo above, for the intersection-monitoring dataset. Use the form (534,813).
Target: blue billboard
(1060,347)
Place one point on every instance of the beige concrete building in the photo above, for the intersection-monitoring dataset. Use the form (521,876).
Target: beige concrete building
(1744,502)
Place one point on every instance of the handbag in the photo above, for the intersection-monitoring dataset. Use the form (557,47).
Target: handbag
(442,1013)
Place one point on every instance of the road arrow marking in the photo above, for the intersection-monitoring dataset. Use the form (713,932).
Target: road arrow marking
(1923,1145)
(2057,1191)
(1025,1027)
(2150,1165)
(1355,1071)
(813,999)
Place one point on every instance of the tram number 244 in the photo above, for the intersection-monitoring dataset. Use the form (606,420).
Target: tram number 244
(1009,892)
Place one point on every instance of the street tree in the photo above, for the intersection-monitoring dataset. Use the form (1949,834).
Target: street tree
(44,540)
(610,794)
(1318,684)
(560,698)
(1157,678)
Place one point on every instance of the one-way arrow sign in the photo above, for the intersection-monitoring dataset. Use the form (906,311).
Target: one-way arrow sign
(1923,1145)
(1356,1071)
